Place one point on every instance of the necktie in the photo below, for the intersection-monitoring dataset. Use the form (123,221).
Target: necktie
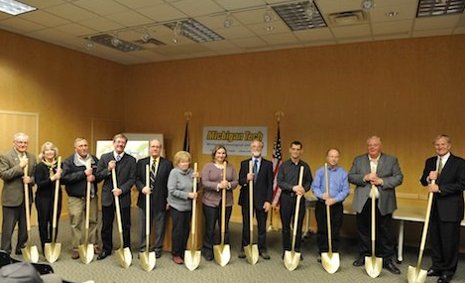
(118,158)
(440,166)
(255,169)
(153,173)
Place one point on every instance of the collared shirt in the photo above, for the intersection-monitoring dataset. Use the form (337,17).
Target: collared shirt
(288,176)
(116,154)
(80,161)
(156,164)
(374,167)
(338,183)
(259,161)
(443,159)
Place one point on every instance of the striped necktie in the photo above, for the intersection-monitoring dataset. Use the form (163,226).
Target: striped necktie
(153,173)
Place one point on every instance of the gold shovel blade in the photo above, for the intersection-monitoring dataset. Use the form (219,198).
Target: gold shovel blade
(416,277)
(330,262)
(124,257)
(222,254)
(30,253)
(86,253)
(251,253)
(373,266)
(291,260)
(52,251)
(147,260)
(191,259)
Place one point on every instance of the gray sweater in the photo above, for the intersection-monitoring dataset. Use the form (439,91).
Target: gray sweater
(179,187)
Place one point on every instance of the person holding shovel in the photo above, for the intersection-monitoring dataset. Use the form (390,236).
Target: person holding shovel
(46,176)
(448,171)
(381,171)
(262,177)
(338,191)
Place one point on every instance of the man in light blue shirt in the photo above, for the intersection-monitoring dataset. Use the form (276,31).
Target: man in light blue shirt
(338,191)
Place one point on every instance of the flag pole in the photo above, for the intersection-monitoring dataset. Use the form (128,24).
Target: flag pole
(186,143)
(276,164)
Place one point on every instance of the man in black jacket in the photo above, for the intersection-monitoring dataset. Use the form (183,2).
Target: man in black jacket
(262,177)
(444,176)
(75,177)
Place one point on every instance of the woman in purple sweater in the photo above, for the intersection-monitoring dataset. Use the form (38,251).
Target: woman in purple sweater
(212,182)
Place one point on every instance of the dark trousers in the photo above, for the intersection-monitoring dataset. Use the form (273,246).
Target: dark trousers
(444,241)
(181,229)
(44,207)
(383,246)
(11,216)
(261,216)
(287,212)
(108,216)
(213,216)
(336,212)
(157,217)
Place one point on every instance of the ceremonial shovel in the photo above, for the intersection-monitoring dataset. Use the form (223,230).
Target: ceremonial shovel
(123,254)
(86,250)
(192,256)
(251,250)
(147,259)
(329,260)
(373,264)
(292,258)
(30,253)
(416,274)
(52,250)
(222,252)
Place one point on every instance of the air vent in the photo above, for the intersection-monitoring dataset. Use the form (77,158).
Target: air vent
(429,8)
(300,15)
(150,41)
(348,18)
(111,41)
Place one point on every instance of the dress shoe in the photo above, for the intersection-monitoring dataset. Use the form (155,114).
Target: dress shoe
(177,259)
(75,254)
(433,272)
(103,255)
(391,267)
(208,256)
(241,254)
(359,261)
(18,252)
(318,259)
(265,255)
(158,254)
(445,278)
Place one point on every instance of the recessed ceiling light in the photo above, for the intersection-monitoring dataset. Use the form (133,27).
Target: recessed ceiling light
(15,8)
(392,14)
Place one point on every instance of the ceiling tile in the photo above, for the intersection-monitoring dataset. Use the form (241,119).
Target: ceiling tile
(390,27)
(129,18)
(254,16)
(353,39)
(392,36)
(351,31)
(434,32)
(320,43)
(314,34)
(406,10)
(438,22)
(329,7)
(194,8)
(17,24)
(216,21)
(101,24)
(71,12)
(44,18)
(459,30)
(162,12)
(280,38)
(249,42)
(75,29)
(218,45)
(235,32)
(239,4)
(41,4)
(134,4)
(262,28)
(101,7)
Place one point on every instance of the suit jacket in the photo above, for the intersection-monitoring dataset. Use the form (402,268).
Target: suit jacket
(451,183)
(160,188)
(74,178)
(262,187)
(388,169)
(125,177)
(12,176)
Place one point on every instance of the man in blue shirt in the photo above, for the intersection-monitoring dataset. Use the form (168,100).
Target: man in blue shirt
(338,191)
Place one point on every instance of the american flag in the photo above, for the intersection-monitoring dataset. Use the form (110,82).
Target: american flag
(277,161)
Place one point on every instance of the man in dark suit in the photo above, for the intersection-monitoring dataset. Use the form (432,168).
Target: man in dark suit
(380,172)
(448,173)
(12,166)
(160,169)
(125,166)
(262,177)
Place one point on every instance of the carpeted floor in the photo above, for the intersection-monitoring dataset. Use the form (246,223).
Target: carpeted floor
(238,270)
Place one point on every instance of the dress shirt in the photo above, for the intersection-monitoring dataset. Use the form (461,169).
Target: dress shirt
(338,183)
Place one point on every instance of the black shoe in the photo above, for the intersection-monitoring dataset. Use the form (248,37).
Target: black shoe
(241,254)
(158,253)
(208,256)
(445,278)
(103,255)
(359,261)
(18,252)
(265,255)
(318,259)
(433,272)
(391,267)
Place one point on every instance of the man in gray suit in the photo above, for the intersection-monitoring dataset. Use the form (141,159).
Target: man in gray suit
(12,166)
(383,172)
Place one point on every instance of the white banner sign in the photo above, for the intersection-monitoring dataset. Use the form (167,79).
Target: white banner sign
(236,139)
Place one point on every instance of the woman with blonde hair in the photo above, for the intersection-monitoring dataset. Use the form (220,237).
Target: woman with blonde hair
(180,198)
(46,175)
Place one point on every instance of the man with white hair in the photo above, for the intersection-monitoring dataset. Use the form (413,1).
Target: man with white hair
(12,166)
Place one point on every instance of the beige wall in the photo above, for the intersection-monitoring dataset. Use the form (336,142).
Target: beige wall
(406,91)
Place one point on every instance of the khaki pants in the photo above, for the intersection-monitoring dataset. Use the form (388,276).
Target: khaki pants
(77,218)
